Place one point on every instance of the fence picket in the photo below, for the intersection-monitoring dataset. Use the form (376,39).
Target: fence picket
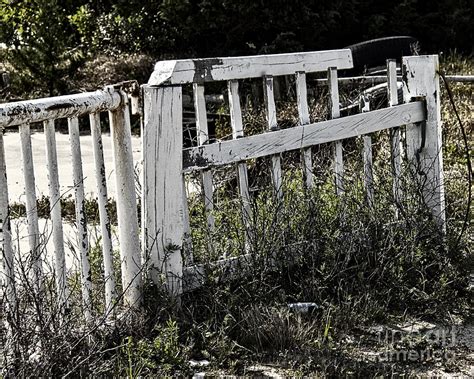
(303,115)
(203,138)
(81,221)
(127,217)
(55,210)
(273,126)
(102,199)
(396,149)
(187,240)
(238,132)
(367,158)
(7,273)
(335,113)
(34,238)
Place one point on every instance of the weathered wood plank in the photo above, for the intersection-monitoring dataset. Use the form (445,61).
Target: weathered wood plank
(272,124)
(367,158)
(424,141)
(368,170)
(368,163)
(203,138)
(213,69)
(57,107)
(303,116)
(237,134)
(335,113)
(55,210)
(188,256)
(235,109)
(127,217)
(34,238)
(7,268)
(396,149)
(270,108)
(102,199)
(81,221)
(262,145)
(163,185)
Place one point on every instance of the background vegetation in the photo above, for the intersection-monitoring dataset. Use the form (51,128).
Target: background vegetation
(46,42)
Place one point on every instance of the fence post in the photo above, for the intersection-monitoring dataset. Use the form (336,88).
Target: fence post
(424,143)
(162,192)
(129,238)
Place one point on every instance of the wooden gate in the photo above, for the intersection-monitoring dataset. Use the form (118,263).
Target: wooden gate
(165,219)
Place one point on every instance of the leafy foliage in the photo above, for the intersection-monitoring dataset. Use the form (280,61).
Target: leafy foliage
(47,41)
(40,42)
(216,27)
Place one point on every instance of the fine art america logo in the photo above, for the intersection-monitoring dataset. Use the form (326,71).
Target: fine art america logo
(416,346)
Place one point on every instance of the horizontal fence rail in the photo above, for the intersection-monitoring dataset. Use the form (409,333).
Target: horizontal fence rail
(214,69)
(58,107)
(261,145)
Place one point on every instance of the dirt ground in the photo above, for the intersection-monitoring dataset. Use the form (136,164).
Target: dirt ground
(411,349)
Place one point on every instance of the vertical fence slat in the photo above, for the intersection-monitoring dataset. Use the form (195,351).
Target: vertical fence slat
(203,138)
(271,114)
(7,278)
(55,209)
(335,113)
(238,132)
(396,151)
(81,221)
(367,158)
(127,216)
(34,239)
(187,239)
(424,142)
(102,198)
(152,99)
(303,114)
(163,184)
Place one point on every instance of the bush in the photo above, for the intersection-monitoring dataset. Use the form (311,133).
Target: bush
(41,46)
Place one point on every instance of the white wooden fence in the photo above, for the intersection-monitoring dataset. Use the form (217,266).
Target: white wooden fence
(21,114)
(165,218)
